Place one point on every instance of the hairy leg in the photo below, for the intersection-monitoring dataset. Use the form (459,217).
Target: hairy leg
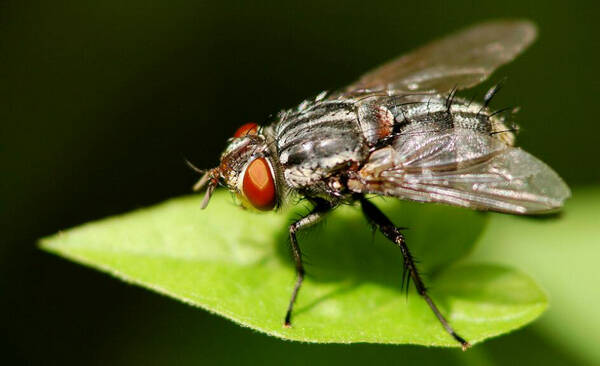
(392,232)
(319,210)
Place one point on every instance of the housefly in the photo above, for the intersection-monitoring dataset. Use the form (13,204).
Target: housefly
(399,131)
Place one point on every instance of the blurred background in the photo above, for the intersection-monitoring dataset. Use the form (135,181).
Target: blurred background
(101,101)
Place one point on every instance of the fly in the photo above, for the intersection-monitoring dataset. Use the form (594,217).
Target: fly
(399,131)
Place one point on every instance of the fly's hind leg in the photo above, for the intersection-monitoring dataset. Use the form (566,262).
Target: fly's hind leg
(320,209)
(390,231)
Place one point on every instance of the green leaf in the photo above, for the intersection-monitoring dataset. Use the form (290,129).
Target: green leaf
(236,263)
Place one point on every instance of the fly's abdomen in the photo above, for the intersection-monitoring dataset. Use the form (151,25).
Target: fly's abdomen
(382,118)
(318,140)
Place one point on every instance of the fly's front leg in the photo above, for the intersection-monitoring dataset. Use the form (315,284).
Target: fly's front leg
(390,231)
(320,209)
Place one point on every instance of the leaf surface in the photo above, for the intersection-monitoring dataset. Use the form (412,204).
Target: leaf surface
(237,264)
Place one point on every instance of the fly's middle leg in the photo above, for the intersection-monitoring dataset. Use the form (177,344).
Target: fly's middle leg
(392,232)
(320,209)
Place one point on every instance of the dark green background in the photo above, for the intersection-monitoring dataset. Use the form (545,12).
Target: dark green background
(100,101)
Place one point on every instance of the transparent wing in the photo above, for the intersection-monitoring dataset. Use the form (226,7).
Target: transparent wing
(461,60)
(462,168)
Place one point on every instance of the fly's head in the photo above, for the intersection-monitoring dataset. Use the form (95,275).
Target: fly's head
(247,169)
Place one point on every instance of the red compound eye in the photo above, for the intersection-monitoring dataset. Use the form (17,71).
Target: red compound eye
(250,128)
(259,185)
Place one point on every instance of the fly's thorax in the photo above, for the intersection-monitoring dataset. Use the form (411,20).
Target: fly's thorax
(317,140)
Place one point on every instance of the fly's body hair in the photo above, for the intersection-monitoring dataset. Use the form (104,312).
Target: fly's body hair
(492,92)
(450,99)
